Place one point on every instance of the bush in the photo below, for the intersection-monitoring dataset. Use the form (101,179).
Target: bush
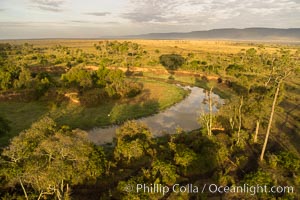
(133,89)
(79,77)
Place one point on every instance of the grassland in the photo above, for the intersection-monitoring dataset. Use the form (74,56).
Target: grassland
(237,71)
(214,52)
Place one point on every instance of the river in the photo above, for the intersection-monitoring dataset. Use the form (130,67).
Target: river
(183,114)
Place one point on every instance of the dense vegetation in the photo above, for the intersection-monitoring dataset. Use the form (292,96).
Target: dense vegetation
(252,139)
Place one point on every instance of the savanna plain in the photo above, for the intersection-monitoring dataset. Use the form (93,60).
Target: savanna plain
(54,92)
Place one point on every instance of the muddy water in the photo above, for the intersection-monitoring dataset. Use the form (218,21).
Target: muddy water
(183,114)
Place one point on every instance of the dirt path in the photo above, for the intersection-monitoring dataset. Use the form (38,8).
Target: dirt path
(73,96)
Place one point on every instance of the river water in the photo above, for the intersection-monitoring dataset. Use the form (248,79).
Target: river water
(183,114)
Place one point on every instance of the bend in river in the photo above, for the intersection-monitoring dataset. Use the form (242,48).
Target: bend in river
(183,114)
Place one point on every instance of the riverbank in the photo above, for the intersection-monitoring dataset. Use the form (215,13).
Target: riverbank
(156,96)
(183,115)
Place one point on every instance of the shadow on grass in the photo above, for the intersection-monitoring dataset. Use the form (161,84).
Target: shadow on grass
(123,112)
(132,108)
(20,116)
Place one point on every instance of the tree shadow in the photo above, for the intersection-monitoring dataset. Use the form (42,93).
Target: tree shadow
(289,126)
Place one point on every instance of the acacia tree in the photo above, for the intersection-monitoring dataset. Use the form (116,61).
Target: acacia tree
(46,160)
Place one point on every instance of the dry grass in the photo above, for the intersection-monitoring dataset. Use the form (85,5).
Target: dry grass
(165,46)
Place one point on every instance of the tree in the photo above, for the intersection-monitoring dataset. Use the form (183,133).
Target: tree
(49,160)
(240,119)
(271,118)
(261,178)
(5,80)
(285,67)
(256,105)
(171,61)
(132,141)
(78,77)
(101,76)
(208,118)
(164,172)
(24,80)
(184,156)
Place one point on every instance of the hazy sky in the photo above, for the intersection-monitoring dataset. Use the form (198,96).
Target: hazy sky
(96,18)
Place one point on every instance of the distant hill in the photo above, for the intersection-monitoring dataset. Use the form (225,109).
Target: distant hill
(230,33)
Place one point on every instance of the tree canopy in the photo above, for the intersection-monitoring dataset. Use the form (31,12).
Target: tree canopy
(48,160)
(171,61)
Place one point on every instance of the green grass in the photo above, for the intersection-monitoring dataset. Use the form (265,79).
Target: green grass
(156,96)
(219,89)
(21,115)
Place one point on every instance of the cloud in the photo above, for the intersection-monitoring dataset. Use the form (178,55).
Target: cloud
(208,12)
(79,21)
(149,11)
(112,22)
(29,24)
(48,5)
(2,9)
(176,11)
(47,8)
(98,13)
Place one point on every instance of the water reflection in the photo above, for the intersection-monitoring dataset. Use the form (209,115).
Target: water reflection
(184,114)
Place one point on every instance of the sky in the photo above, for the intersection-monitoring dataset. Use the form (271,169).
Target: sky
(20,19)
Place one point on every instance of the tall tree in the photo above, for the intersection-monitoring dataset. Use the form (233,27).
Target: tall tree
(284,67)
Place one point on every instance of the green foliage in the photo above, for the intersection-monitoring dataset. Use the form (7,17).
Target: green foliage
(132,141)
(5,80)
(101,77)
(49,160)
(113,81)
(14,77)
(184,156)
(127,190)
(171,61)
(261,178)
(251,52)
(164,173)
(78,76)
(115,76)
(289,161)
(234,69)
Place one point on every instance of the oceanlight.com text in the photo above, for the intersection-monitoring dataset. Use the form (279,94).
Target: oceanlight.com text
(211,188)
